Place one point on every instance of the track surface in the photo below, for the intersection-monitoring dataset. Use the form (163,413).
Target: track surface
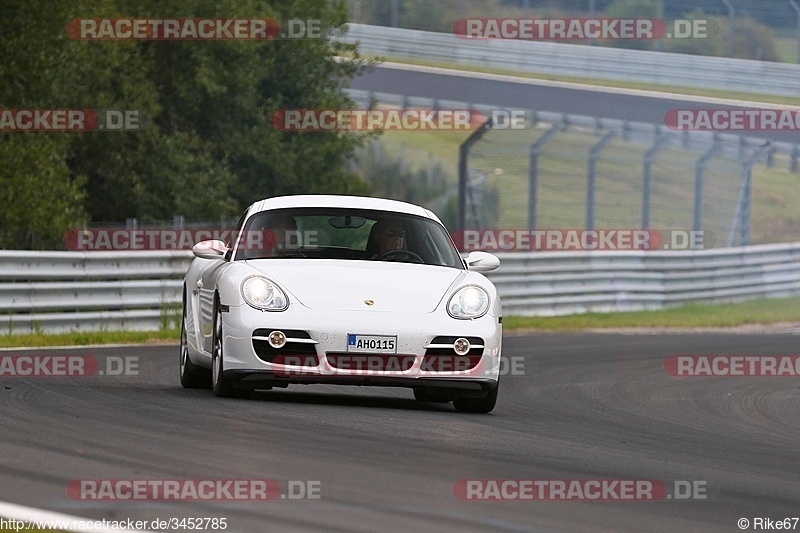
(587,406)
(539,97)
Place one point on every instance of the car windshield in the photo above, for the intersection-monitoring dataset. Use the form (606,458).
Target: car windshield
(348,234)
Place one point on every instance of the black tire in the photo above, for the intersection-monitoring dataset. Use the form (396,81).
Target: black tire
(192,376)
(478,405)
(426,394)
(222,387)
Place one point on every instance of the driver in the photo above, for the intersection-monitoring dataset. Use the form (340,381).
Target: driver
(390,235)
(284,233)
(275,234)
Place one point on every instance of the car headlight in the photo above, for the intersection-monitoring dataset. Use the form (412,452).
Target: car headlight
(261,293)
(468,302)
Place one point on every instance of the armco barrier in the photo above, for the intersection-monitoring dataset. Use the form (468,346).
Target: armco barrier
(561,283)
(85,291)
(722,73)
(88,291)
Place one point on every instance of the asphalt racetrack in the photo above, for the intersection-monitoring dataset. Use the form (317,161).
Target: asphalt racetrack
(527,94)
(586,406)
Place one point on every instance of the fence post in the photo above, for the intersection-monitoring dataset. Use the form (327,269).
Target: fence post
(742,215)
(472,186)
(395,13)
(649,156)
(533,170)
(731,22)
(463,171)
(699,169)
(660,16)
(594,153)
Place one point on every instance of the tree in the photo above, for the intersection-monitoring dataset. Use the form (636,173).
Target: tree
(209,148)
(41,199)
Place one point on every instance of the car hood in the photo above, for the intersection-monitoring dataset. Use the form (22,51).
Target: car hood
(346,285)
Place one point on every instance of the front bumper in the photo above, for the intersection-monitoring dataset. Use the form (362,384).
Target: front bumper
(329,330)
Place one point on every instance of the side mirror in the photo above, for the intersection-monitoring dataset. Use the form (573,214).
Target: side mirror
(210,249)
(482,261)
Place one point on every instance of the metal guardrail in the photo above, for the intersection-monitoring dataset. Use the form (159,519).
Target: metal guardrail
(761,77)
(86,291)
(561,283)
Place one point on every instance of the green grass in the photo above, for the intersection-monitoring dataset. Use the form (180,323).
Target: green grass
(761,311)
(787,49)
(694,91)
(753,312)
(33,340)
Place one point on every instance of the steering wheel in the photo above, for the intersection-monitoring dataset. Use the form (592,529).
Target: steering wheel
(399,252)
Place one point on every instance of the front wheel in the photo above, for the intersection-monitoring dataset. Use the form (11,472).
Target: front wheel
(478,405)
(219,384)
(222,387)
(192,376)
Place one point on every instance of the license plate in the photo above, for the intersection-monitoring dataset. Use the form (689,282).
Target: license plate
(371,343)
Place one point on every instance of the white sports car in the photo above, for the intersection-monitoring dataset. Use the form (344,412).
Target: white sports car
(342,290)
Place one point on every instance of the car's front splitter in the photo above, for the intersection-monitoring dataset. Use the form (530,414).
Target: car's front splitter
(329,331)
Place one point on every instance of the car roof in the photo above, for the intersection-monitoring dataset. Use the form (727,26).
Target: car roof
(333,200)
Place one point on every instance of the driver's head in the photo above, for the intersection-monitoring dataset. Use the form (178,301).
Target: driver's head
(284,228)
(390,235)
